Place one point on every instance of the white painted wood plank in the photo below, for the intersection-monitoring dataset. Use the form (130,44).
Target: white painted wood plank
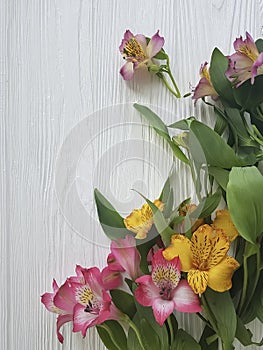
(59,65)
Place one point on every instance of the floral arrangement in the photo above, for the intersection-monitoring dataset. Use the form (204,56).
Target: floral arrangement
(168,258)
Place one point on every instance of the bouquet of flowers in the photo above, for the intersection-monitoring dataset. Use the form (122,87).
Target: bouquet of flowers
(166,257)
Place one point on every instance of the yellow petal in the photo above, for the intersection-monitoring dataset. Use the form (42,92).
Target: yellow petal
(180,246)
(201,246)
(223,221)
(219,276)
(197,280)
(219,247)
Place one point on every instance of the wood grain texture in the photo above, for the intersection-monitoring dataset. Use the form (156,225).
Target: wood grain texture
(59,66)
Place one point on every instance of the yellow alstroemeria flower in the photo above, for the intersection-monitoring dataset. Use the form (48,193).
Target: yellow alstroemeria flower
(205,259)
(224,221)
(140,221)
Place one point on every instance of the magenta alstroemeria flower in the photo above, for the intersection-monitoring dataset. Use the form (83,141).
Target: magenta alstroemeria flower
(127,256)
(164,291)
(64,308)
(204,87)
(137,52)
(246,63)
(93,303)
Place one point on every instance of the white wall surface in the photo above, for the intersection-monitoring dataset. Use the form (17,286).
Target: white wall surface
(59,68)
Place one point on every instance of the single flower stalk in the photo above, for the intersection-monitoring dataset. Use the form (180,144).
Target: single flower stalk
(140,221)
(246,63)
(164,290)
(204,87)
(140,52)
(204,258)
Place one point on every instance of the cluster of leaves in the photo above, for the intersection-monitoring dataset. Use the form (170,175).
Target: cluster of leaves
(231,156)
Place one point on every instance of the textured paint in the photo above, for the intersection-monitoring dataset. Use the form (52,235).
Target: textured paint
(59,64)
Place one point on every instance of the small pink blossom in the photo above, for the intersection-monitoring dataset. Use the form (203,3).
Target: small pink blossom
(164,291)
(246,63)
(137,52)
(204,87)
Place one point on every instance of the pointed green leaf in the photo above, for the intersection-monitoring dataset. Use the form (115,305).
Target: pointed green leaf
(249,96)
(259,44)
(207,205)
(184,341)
(206,335)
(149,336)
(110,220)
(221,176)
(245,201)
(124,302)
(112,335)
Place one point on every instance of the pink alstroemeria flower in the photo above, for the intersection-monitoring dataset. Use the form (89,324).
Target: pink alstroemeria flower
(204,87)
(137,53)
(246,63)
(163,290)
(64,308)
(127,256)
(112,274)
(93,303)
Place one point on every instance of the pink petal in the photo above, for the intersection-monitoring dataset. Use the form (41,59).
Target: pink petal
(127,71)
(93,278)
(127,36)
(162,309)
(204,88)
(258,63)
(113,263)
(65,297)
(62,319)
(155,45)
(111,279)
(185,300)
(142,41)
(147,291)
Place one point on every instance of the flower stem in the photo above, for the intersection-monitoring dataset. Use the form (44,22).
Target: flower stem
(171,329)
(166,69)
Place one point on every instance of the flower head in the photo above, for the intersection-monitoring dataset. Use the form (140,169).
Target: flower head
(246,63)
(164,291)
(204,87)
(205,259)
(137,52)
(140,221)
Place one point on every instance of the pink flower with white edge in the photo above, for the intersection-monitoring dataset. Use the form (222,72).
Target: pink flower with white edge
(204,87)
(246,63)
(137,52)
(64,308)
(127,256)
(93,303)
(164,291)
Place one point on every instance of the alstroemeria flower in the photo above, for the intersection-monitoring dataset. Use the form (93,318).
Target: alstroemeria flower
(205,259)
(164,291)
(204,87)
(92,301)
(137,52)
(140,221)
(127,256)
(224,222)
(63,309)
(246,63)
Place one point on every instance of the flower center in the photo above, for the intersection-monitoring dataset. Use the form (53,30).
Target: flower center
(166,278)
(246,51)
(86,297)
(133,50)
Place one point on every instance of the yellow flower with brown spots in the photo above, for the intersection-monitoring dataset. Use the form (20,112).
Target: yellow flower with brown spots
(205,259)
(224,222)
(140,221)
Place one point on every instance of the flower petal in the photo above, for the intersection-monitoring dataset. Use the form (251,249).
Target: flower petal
(204,88)
(162,309)
(185,300)
(62,319)
(142,41)
(127,36)
(201,245)
(219,276)
(111,279)
(219,247)
(155,45)
(127,71)
(147,291)
(180,246)
(197,280)
(223,221)
(65,297)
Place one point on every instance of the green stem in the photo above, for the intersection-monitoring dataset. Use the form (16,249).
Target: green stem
(171,329)
(209,313)
(166,69)
(136,331)
(244,289)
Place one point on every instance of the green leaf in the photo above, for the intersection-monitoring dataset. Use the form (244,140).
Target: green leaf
(124,302)
(217,70)
(249,96)
(150,338)
(184,341)
(206,335)
(220,175)
(112,335)
(183,124)
(224,317)
(206,144)
(132,340)
(161,129)
(259,44)
(161,55)
(110,220)
(207,205)
(245,201)
(244,335)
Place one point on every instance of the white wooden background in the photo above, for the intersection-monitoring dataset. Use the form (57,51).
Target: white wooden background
(59,68)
